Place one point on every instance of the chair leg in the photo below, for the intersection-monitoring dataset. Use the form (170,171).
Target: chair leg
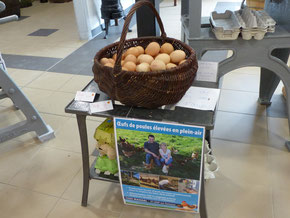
(116,22)
(107,24)
(175,2)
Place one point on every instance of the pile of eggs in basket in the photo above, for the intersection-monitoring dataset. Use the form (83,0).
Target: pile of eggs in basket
(153,58)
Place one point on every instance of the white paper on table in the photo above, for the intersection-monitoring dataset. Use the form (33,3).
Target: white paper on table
(200,98)
(85,96)
(207,71)
(101,106)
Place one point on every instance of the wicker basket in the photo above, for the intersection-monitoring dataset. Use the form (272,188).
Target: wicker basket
(148,89)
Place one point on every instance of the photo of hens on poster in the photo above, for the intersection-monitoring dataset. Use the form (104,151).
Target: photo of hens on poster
(159,163)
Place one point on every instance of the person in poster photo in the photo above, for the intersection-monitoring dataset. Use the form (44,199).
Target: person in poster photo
(152,151)
(166,157)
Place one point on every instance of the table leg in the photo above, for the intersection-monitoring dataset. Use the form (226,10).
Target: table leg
(269,80)
(287,144)
(208,138)
(148,26)
(202,211)
(85,157)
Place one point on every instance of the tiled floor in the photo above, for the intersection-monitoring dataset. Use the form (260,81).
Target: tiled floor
(45,180)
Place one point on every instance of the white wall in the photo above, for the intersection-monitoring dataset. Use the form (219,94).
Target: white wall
(88,15)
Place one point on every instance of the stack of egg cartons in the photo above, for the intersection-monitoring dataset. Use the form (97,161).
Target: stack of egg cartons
(252,25)
(269,21)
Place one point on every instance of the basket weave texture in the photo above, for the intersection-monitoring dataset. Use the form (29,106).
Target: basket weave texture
(144,89)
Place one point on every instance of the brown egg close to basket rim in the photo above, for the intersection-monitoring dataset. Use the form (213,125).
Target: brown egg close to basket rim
(144,89)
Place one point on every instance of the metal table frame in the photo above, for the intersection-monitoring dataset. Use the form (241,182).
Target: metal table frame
(179,115)
(245,52)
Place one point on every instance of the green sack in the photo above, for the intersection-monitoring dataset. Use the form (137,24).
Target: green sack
(104,164)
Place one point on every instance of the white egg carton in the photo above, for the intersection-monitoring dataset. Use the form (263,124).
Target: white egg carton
(228,25)
(269,21)
(225,25)
(252,25)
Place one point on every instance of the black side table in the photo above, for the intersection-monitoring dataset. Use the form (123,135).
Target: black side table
(178,115)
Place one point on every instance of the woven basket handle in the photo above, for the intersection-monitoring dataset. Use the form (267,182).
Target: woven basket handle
(137,5)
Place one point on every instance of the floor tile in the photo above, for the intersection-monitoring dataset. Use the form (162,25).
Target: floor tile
(49,172)
(68,138)
(279,162)
(23,77)
(241,102)
(104,195)
(54,121)
(70,209)
(36,96)
(281,201)
(215,56)
(241,82)
(142,212)
(83,56)
(43,32)
(10,116)
(76,83)
(50,81)
(56,103)
(14,155)
(16,60)
(98,119)
(241,128)
(278,131)
(18,203)
(247,70)
(242,164)
(23,18)
(278,108)
(249,201)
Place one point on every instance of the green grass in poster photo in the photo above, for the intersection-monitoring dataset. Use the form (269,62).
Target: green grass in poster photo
(185,152)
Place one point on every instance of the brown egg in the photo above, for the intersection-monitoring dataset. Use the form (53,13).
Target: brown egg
(124,54)
(111,60)
(157,65)
(166,48)
(144,58)
(152,49)
(130,57)
(115,57)
(143,67)
(109,65)
(122,63)
(124,68)
(131,66)
(163,57)
(181,61)
(170,65)
(103,61)
(177,56)
(133,50)
(140,49)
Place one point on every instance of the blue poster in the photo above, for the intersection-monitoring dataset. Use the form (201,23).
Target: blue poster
(159,163)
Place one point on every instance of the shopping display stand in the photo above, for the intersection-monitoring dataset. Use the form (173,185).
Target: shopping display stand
(245,52)
(178,115)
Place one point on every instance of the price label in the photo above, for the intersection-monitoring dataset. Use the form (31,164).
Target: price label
(101,106)
(85,96)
